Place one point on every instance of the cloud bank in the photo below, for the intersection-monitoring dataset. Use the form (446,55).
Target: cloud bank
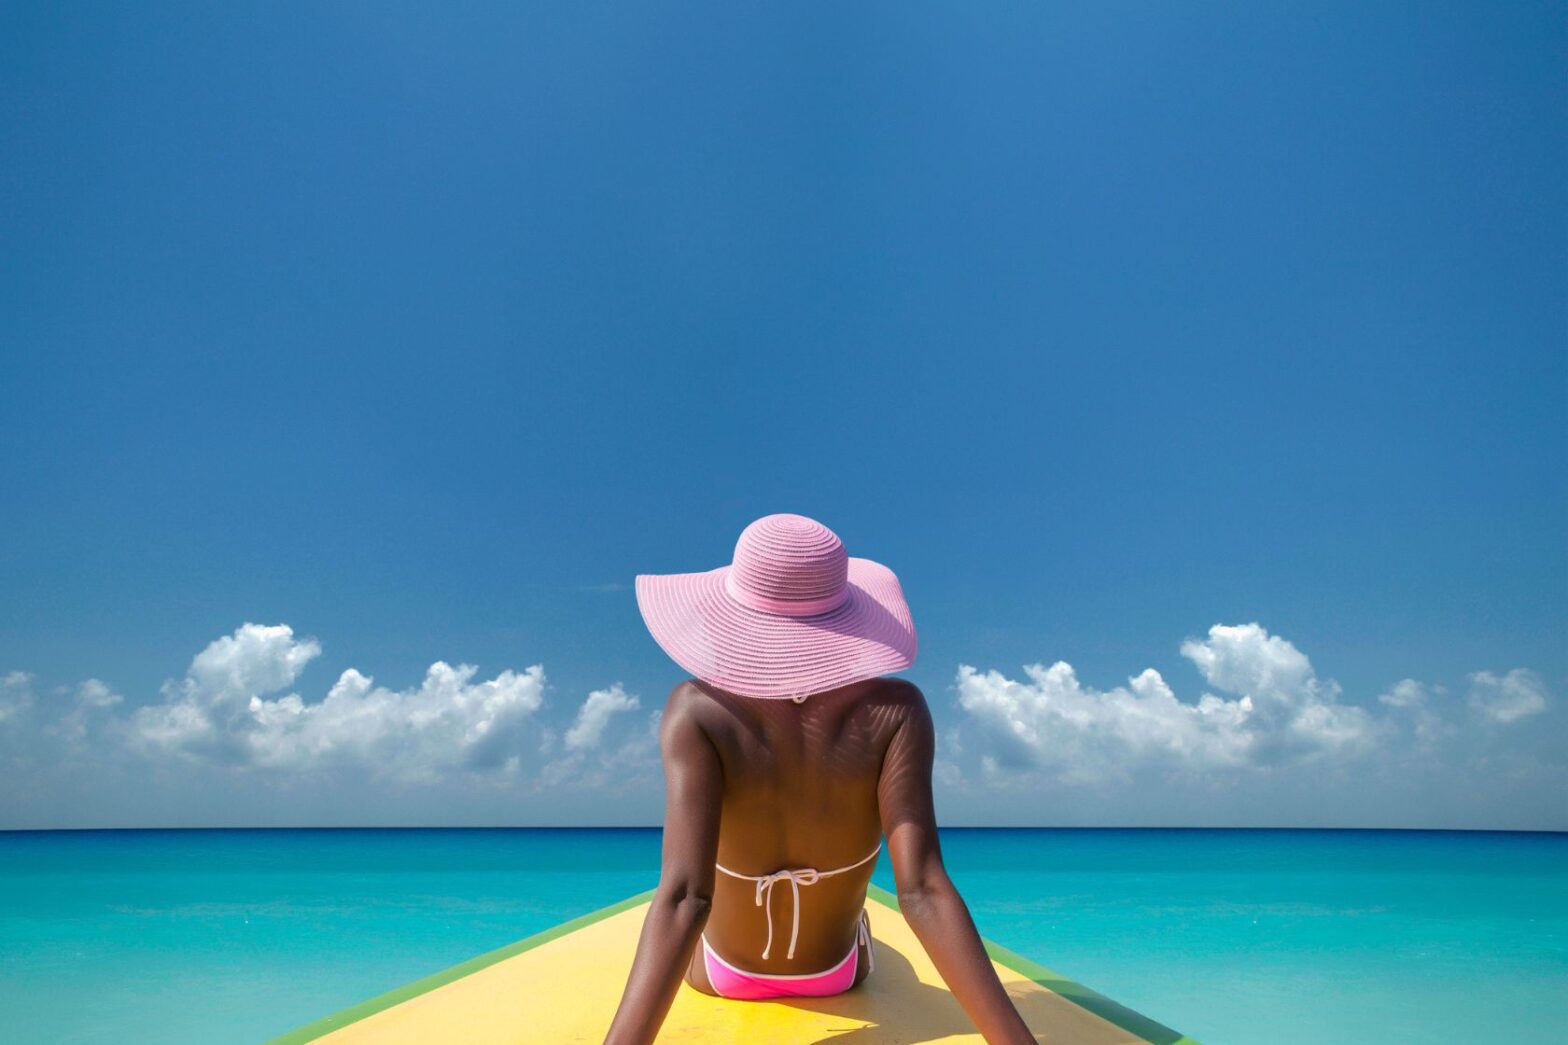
(221,713)
(1266,739)
(235,721)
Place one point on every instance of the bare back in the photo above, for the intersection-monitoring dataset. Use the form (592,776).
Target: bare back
(800,790)
(761,786)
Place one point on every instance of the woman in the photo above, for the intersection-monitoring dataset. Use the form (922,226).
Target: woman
(786,759)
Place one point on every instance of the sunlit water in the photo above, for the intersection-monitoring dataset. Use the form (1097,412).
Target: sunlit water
(1272,937)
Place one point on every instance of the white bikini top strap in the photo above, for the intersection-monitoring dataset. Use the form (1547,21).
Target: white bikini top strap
(857,863)
(796,877)
(820,874)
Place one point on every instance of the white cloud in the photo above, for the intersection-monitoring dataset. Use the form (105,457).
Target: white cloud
(447,723)
(1080,734)
(257,658)
(631,765)
(221,713)
(595,714)
(1406,693)
(237,709)
(1278,712)
(16,695)
(90,699)
(95,693)
(1292,714)
(1516,695)
(1414,700)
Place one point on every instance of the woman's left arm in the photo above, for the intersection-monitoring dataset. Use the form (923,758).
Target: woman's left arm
(693,796)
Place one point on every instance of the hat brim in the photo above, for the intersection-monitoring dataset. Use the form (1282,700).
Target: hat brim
(718,640)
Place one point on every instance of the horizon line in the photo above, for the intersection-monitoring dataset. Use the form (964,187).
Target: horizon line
(659,827)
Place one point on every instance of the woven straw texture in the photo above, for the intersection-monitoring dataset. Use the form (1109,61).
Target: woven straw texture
(793,614)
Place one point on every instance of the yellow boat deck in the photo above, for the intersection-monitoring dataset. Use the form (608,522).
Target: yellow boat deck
(562,986)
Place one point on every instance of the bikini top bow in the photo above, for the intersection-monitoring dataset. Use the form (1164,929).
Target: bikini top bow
(796,877)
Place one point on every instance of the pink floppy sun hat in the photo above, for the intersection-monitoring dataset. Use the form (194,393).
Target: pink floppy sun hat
(792,615)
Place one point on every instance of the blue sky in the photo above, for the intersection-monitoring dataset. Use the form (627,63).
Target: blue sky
(407,337)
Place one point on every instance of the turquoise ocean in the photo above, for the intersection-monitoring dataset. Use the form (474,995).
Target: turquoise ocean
(1231,936)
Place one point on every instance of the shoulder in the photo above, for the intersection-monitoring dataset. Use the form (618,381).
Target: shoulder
(901,690)
(683,703)
(685,725)
(897,712)
(900,697)
(901,705)
(684,694)
(688,708)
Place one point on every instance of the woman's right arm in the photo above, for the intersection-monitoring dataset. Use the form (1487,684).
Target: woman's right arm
(926,896)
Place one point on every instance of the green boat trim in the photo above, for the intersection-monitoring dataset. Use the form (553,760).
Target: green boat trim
(1113,1012)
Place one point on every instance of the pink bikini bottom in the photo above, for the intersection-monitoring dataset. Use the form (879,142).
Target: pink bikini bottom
(730,982)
